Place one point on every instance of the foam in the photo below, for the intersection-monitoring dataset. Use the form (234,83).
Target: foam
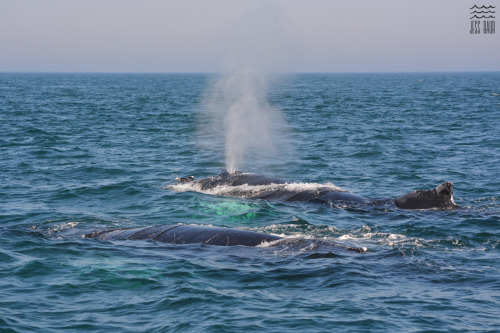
(248,191)
(58,228)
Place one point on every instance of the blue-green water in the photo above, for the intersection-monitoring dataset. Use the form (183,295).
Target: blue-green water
(80,152)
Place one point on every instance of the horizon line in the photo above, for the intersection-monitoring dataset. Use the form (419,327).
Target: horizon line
(228,72)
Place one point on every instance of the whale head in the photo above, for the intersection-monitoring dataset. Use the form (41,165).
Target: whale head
(440,197)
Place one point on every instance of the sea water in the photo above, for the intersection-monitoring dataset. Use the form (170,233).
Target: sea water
(85,152)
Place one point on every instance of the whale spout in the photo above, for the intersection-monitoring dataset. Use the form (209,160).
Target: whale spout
(440,197)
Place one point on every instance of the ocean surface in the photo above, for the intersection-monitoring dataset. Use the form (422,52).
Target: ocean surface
(86,152)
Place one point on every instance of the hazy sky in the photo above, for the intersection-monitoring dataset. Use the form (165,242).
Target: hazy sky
(226,35)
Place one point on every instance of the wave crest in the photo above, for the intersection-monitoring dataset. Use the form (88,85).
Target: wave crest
(251,191)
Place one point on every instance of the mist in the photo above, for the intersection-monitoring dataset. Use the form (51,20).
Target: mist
(236,112)
(252,132)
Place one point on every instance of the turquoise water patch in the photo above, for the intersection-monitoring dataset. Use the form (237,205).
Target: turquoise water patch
(232,209)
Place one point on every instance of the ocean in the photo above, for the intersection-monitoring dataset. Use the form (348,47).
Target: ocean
(86,152)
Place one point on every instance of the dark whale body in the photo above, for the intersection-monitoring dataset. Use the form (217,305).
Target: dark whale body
(255,187)
(440,197)
(192,234)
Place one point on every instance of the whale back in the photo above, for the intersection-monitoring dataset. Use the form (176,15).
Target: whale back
(191,234)
(440,197)
(267,188)
(187,234)
(230,179)
(236,179)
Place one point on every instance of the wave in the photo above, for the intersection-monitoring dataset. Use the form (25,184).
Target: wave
(487,12)
(480,17)
(251,191)
(482,7)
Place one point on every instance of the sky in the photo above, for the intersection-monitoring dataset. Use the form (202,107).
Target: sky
(228,35)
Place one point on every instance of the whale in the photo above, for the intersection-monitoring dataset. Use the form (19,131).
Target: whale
(440,197)
(255,186)
(219,236)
